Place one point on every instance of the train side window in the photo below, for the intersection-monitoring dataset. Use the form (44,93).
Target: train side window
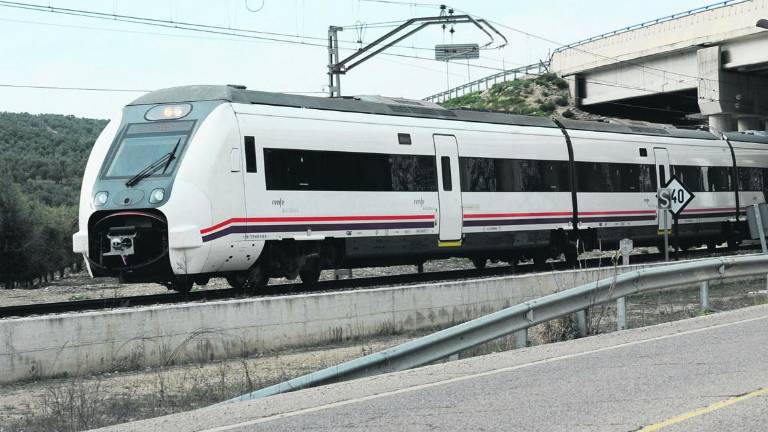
(404,138)
(412,173)
(751,179)
(513,175)
(445,166)
(295,169)
(719,179)
(690,175)
(250,154)
(643,152)
(615,177)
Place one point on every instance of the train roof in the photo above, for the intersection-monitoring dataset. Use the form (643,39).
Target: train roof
(357,104)
(409,108)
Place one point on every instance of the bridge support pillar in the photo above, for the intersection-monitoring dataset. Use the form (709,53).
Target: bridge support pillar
(748,124)
(725,95)
(720,122)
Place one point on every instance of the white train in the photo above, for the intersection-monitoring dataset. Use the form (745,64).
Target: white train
(200,181)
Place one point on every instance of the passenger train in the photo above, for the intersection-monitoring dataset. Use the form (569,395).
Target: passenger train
(201,181)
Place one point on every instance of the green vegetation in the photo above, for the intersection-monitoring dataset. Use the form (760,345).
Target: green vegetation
(541,96)
(42,158)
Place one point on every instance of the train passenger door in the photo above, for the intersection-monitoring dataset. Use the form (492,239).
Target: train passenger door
(663,174)
(449,189)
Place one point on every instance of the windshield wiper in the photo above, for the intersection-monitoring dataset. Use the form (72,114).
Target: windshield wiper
(163,162)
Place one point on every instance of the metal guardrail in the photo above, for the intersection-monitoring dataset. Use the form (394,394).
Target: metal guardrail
(477,85)
(709,7)
(519,318)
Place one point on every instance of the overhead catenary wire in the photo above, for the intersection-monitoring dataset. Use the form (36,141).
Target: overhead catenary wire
(112,90)
(205,28)
(183,25)
(258,35)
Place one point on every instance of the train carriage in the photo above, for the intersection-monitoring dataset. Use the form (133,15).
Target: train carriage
(201,181)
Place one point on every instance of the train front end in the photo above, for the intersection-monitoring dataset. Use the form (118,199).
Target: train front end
(143,197)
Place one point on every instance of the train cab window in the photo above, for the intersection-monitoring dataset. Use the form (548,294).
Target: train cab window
(404,138)
(250,154)
(445,167)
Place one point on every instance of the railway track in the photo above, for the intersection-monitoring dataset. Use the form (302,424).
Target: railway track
(332,285)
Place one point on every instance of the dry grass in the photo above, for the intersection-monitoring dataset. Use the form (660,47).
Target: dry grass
(87,403)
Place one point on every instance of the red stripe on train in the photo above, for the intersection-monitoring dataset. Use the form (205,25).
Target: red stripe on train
(316,219)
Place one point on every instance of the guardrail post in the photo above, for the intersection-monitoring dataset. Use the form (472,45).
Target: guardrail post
(621,313)
(626,247)
(521,338)
(704,294)
(581,322)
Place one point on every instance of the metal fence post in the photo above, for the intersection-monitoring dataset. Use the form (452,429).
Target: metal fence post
(581,323)
(704,294)
(626,247)
(621,313)
(521,338)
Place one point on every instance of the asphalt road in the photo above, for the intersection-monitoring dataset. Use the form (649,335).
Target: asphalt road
(703,374)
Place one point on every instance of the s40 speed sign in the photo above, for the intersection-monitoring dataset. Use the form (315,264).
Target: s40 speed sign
(674,196)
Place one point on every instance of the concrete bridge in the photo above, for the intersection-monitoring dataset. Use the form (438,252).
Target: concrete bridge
(711,61)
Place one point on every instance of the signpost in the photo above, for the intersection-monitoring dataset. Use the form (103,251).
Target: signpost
(457,52)
(673,198)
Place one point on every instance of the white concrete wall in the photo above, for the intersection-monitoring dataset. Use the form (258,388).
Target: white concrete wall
(124,339)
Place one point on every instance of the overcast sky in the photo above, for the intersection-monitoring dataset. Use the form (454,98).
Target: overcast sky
(47,49)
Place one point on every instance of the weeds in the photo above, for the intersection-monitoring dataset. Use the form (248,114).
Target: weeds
(87,403)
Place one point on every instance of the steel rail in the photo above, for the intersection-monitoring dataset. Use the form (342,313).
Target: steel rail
(453,340)
(25,310)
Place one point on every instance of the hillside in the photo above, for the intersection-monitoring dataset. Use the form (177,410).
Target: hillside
(46,154)
(42,158)
(544,95)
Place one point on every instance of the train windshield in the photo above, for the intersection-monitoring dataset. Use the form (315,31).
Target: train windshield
(139,149)
(136,153)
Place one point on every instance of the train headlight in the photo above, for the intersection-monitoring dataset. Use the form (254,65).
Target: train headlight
(100,198)
(168,112)
(157,195)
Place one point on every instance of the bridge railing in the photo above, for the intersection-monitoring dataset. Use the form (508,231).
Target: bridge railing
(486,82)
(708,7)
(519,318)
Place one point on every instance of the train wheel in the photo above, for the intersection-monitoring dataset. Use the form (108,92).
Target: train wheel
(181,284)
(310,276)
(512,261)
(250,280)
(540,262)
(733,243)
(479,263)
